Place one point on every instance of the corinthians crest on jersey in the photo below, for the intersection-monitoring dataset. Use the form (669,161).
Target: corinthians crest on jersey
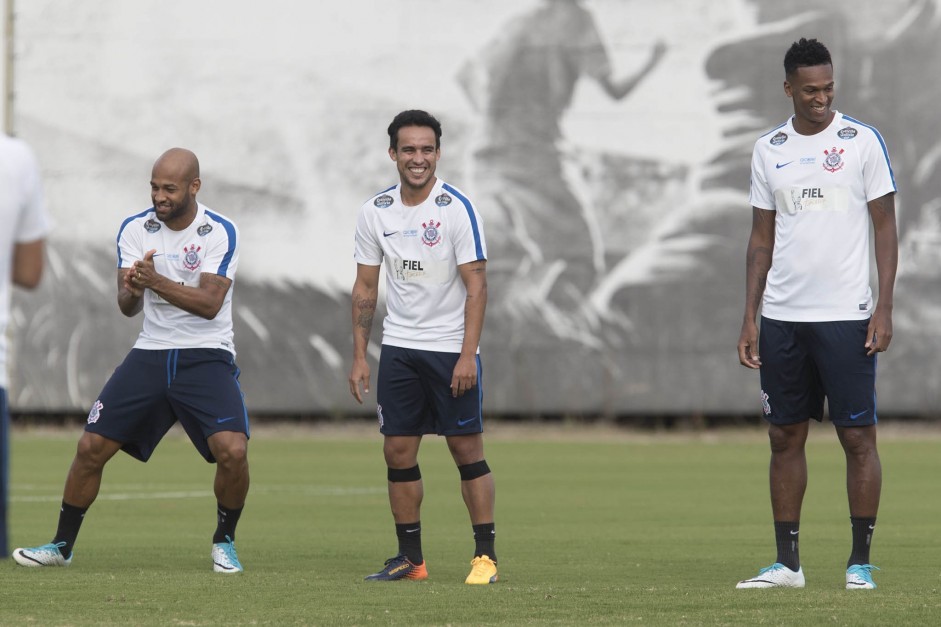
(834,160)
(191,260)
(431,236)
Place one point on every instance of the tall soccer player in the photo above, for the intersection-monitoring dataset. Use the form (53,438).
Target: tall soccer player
(432,240)
(176,263)
(817,181)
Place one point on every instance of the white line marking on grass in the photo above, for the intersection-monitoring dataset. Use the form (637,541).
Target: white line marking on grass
(199,494)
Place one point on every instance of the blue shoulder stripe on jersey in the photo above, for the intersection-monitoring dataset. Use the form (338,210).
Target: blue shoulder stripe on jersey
(779,126)
(123,226)
(885,151)
(386,190)
(473,219)
(230,231)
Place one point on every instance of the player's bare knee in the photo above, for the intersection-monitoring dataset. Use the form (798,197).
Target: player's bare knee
(466,449)
(93,451)
(399,453)
(233,455)
(784,440)
(858,441)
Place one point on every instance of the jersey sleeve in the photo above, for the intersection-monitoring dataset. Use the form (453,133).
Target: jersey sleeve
(222,258)
(877,169)
(130,243)
(34,222)
(469,242)
(366,248)
(760,193)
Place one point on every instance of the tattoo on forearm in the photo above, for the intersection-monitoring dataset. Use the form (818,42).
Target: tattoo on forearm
(758,264)
(366,308)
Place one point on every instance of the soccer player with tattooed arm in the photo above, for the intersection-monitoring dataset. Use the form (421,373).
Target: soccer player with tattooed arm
(431,239)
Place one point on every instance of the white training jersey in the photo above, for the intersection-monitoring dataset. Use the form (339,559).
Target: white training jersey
(423,247)
(209,244)
(819,186)
(23,219)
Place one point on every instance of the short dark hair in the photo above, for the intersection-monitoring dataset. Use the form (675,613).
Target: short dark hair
(413,117)
(805,53)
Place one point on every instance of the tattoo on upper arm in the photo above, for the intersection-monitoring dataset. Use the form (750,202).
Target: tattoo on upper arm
(884,206)
(218,281)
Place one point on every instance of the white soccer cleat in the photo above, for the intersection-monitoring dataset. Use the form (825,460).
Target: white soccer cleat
(859,577)
(225,559)
(45,555)
(775,576)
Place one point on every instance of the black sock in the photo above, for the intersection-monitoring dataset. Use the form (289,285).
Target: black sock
(862,537)
(484,536)
(785,536)
(70,521)
(409,536)
(226,521)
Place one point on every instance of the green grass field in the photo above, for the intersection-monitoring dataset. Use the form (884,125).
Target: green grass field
(593,527)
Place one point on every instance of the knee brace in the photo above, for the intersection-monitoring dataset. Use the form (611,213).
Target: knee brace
(404,475)
(469,472)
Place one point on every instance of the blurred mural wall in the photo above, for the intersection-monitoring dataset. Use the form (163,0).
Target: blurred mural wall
(616,222)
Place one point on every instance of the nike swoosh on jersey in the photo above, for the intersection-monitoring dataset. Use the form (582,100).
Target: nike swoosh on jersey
(781,165)
(384,234)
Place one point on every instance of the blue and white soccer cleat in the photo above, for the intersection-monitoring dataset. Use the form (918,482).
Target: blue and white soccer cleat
(859,577)
(775,576)
(224,557)
(45,555)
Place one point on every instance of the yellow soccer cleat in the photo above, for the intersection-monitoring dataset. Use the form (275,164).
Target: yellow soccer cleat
(483,571)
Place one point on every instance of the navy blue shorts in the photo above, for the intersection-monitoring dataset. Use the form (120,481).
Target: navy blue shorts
(152,389)
(804,362)
(414,394)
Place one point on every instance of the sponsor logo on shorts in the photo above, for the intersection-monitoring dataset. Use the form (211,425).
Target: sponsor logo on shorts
(466,421)
(226,419)
(152,226)
(765,405)
(379,414)
(858,415)
(383,201)
(778,139)
(95,412)
(205,229)
(443,200)
(191,258)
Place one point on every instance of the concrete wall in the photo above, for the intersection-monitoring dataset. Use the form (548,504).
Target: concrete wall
(631,299)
